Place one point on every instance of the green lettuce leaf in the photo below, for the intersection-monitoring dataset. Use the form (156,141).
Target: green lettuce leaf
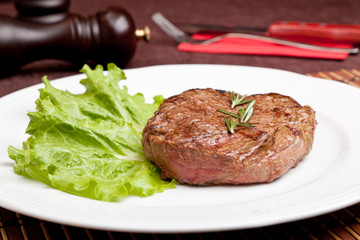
(90,144)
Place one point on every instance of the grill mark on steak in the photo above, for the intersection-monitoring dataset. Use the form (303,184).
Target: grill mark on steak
(188,140)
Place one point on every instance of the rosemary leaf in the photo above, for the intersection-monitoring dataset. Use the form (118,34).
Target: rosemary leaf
(227,112)
(246,125)
(247,112)
(230,123)
(236,100)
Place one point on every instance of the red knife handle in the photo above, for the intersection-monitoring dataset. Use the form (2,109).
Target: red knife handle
(320,32)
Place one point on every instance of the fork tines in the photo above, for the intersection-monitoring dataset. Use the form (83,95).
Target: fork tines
(170,29)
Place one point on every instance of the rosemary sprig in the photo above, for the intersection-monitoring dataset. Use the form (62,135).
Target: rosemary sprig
(237,100)
(230,123)
(246,113)
(243,115)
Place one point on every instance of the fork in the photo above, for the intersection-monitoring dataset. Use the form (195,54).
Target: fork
(181,37)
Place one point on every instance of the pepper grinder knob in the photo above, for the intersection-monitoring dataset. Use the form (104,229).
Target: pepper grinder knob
(143,34)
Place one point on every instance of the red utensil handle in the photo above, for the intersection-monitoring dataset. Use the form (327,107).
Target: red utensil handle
(330,33)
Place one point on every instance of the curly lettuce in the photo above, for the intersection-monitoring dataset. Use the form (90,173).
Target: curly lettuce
(89,144)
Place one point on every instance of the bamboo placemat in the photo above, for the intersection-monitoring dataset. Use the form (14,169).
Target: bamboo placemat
(342,224)
(351,77)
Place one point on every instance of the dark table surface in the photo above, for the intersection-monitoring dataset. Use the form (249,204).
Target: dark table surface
(162,50)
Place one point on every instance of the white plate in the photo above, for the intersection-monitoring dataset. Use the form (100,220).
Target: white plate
(326,180)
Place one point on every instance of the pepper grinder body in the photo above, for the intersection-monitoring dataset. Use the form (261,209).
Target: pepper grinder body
(42,11)
(105,37)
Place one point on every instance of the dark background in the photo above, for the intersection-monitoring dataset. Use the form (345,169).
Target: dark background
(162,50)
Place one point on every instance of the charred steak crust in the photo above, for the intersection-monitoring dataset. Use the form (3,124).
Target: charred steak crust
(188,140)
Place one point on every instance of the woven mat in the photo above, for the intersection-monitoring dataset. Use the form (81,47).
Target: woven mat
(342,224)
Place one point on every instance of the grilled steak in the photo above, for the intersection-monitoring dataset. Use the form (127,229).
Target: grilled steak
(189,141)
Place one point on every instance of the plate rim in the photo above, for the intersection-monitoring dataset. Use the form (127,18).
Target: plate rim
(195,229)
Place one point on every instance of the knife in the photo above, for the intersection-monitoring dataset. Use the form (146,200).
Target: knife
(291,30)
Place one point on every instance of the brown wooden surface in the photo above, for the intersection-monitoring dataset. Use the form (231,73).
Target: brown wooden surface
(342,224)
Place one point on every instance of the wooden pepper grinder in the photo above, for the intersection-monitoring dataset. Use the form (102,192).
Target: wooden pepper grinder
(108,36)
(42,11)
